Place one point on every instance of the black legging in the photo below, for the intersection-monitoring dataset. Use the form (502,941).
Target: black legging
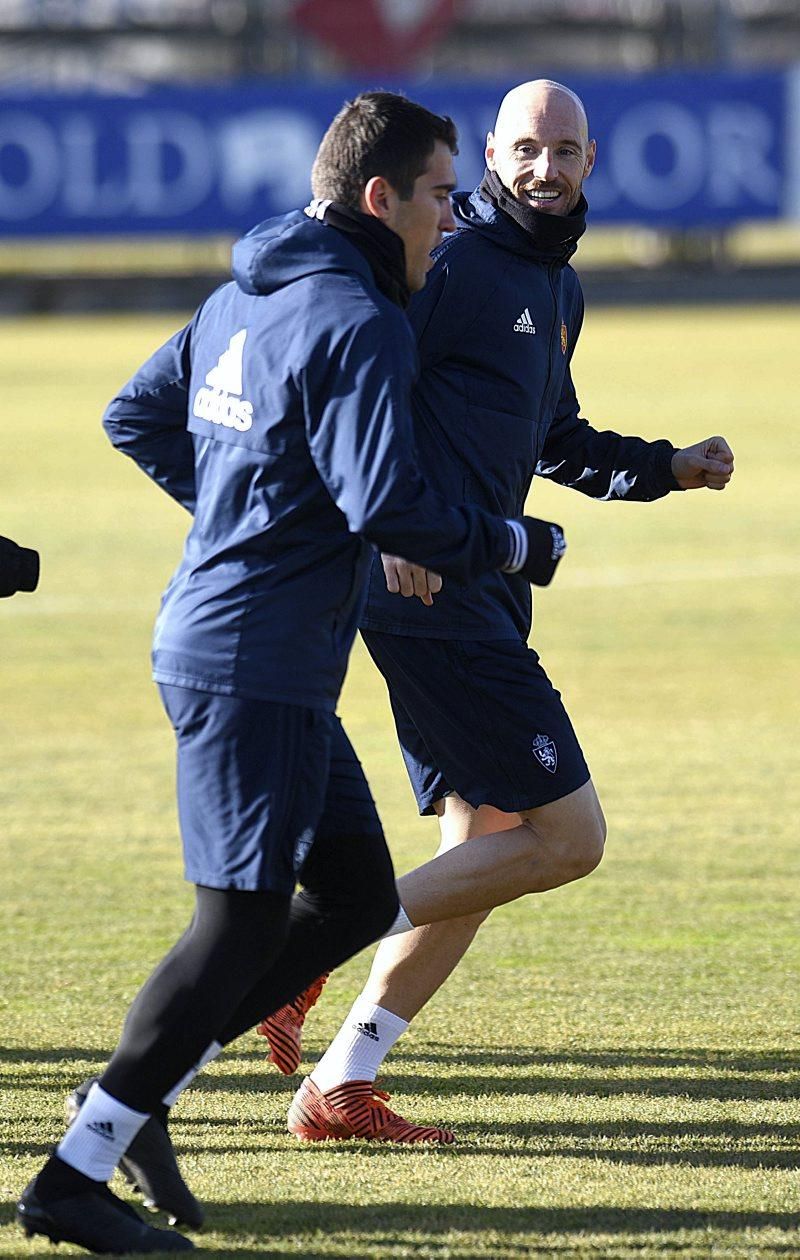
(344,906)
(243,955)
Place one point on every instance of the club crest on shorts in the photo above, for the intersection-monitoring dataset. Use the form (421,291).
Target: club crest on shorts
(544,750)
(563,337)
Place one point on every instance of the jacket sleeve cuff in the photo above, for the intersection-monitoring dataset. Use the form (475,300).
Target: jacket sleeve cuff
(662,480)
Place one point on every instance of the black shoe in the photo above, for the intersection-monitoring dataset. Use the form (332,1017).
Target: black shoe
(96,1220)
(149,1164)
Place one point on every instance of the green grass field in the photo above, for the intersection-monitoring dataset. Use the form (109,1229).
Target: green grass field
(620,1057)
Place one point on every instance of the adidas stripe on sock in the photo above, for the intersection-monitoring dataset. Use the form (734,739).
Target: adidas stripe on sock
(99,1135)
(359,1047)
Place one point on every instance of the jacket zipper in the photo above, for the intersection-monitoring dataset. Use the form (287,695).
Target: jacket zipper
(551,343)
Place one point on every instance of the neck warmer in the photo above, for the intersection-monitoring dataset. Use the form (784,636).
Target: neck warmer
(382,248)
(553,234)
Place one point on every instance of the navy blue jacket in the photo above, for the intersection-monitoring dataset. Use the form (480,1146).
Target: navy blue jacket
(295,379)
(496,327)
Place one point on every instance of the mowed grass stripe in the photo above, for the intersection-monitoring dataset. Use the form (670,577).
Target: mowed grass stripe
(620,1056)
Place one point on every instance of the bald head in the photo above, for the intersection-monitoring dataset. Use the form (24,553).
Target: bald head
(540,145)
(540,95)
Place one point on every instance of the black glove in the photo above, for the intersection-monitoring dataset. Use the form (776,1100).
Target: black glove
(546,546)
(19,568)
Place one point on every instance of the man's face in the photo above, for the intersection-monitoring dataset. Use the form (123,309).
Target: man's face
(541,151)
(421,221)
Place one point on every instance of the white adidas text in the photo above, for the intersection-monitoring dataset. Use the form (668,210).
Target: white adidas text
(220,399)
(524,323)
(224,409)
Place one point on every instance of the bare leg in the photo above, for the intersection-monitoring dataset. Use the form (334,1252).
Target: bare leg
(552,845)
(452,894)
(408,969)
(455,892)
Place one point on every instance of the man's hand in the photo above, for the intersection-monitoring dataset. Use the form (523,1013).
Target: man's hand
(708,464)
(403,578)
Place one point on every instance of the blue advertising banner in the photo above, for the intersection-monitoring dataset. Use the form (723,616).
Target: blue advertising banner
(676,150)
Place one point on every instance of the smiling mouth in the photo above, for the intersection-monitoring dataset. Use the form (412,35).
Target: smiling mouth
(542,196)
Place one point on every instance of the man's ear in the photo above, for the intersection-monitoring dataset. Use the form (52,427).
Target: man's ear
(489,151)
(377,198)
(591,154)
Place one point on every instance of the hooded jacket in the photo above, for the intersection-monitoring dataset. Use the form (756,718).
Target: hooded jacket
(296,455)
(496,327)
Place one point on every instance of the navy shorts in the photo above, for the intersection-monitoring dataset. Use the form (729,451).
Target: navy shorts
(481,719)
(258,783)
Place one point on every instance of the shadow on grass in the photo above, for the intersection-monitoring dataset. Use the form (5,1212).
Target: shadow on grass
(623,1143)
(730,1075)
(777,1061)
(460,1230)
(774,1060)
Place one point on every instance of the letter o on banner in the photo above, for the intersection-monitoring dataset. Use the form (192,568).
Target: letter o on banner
(635,180)
(27,146)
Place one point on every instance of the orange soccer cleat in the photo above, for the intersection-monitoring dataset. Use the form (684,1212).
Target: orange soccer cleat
(284,1028)
(355,1109)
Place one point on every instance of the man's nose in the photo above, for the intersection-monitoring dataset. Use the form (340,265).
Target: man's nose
(446,221)
(544,167)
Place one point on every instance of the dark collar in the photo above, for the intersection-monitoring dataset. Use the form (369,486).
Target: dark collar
(555,235)
(382,248)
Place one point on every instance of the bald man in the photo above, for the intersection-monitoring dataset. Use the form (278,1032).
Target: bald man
(486,740)
(487,743)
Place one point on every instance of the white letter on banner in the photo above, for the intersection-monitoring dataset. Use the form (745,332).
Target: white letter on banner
(86,195)
(271,149)
(150,134)
(36,142)
(739,139)
(634,179)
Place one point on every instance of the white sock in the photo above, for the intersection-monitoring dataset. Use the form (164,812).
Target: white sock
(100,1135)
(172,1097)
(359,1047)
(402,923)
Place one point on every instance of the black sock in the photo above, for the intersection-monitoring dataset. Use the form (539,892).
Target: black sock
(58,1180)
(161,1114)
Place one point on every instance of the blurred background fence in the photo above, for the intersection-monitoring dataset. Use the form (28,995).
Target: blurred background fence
(138,137)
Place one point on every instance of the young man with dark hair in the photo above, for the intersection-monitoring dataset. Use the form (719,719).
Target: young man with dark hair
(379,133)
(280,418)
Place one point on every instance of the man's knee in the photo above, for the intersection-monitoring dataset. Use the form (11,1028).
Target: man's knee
(590,846)
(351,880)
(572,831)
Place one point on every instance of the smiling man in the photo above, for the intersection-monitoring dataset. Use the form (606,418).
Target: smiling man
(540,147)
(486,740)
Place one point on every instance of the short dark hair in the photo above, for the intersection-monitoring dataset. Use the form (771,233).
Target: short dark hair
(378,133)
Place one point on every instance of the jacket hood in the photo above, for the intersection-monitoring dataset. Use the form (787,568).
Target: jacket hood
(557,240)
(278,251)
